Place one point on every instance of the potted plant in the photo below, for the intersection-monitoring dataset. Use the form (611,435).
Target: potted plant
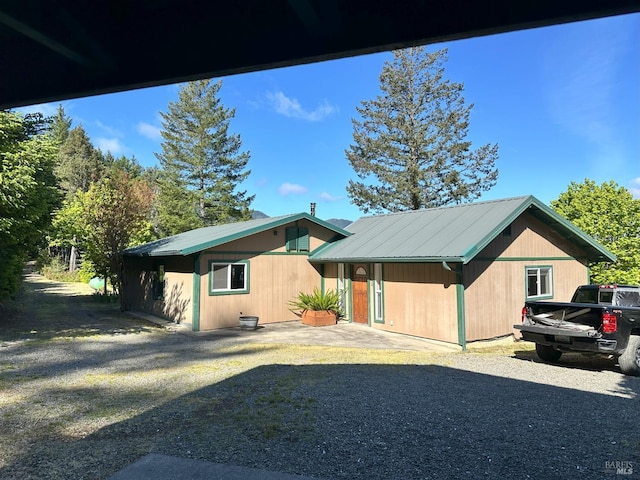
(318,308)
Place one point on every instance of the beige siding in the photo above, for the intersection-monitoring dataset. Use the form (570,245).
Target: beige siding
(495,283)
(529,238)
(274,280)
(419,299)
(177,302)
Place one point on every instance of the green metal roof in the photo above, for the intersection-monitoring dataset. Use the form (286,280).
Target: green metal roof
(452,234)
(208,237)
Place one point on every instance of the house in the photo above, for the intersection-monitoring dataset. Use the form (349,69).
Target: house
(455,274)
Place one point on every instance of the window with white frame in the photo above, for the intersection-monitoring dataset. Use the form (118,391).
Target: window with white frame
(342,290)
(539,282)
(225,277)
(377,292)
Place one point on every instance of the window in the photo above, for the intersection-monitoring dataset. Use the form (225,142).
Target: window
(342,291)
(377,292)
(157,282)
(227,277)
(297,239)
(539,282)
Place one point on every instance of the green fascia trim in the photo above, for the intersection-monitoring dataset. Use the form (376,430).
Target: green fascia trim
(527,203)
(195,322)
(524,259)
(262,228)
(388,260)
(229,292)
(462,324)
(253,253)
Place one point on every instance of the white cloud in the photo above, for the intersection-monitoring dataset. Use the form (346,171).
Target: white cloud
(149,131)
(112,145)
(109,130)
(291,188)
(291,107)
(329,198)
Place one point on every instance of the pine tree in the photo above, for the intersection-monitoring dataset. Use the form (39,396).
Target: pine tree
(79,163)
(201,162)
(60,125)
(410,146)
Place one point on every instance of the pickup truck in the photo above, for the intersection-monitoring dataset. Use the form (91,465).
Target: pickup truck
(600,319)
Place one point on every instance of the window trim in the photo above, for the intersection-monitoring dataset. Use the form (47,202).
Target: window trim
(539,268)
(378,293)
(158,281)
(228,290)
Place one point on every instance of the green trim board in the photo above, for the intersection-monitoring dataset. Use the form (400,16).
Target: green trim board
(462,323)
(525,259)
(195,321)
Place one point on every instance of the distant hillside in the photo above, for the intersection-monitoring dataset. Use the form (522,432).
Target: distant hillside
(339,222)
(258,214)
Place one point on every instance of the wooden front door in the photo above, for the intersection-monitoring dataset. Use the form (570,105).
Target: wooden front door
(359,294)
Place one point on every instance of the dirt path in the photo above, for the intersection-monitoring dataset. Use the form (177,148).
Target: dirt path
(49,309)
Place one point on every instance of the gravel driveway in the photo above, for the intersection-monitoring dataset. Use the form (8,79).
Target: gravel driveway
(84,391)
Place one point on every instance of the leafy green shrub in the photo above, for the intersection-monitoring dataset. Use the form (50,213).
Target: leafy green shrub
(86,272)
(329,300)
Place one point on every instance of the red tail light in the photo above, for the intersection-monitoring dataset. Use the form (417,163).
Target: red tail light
(609,322)
(524,314)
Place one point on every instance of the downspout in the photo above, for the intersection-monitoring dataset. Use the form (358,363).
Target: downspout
(195,297)
(462,326)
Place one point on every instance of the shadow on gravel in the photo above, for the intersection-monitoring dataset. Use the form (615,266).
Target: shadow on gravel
(367,422)
(593,363)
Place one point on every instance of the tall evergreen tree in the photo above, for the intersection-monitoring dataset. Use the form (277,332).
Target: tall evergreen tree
(60,125)
(79,163)
(410,147)
(202,164)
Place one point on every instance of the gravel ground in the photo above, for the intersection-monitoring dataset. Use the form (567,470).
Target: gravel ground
(84,391)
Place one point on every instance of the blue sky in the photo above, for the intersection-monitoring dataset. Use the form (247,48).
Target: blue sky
(562,102)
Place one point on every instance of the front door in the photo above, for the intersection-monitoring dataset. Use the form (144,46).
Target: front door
(359,294)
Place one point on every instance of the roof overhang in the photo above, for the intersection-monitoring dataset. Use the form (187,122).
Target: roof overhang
(58,50)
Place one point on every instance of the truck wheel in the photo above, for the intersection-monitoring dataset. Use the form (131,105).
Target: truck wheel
(548,353)
(629,361)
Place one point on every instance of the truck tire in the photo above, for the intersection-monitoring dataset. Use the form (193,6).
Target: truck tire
(548,353)
(629,361)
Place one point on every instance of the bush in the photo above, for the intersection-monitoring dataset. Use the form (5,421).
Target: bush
(56,269)
(329,300)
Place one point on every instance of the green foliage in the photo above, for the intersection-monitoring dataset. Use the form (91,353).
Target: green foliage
(410,146)
(609,214)
(86,271)
(56,270)
(60,126)
(317,300)
(79,163)
(201,163)
(114,212)
(28,193)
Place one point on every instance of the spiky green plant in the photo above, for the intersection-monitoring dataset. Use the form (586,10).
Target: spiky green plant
(329,300)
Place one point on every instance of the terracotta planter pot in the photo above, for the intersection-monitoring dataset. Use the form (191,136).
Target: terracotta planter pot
(319,318)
